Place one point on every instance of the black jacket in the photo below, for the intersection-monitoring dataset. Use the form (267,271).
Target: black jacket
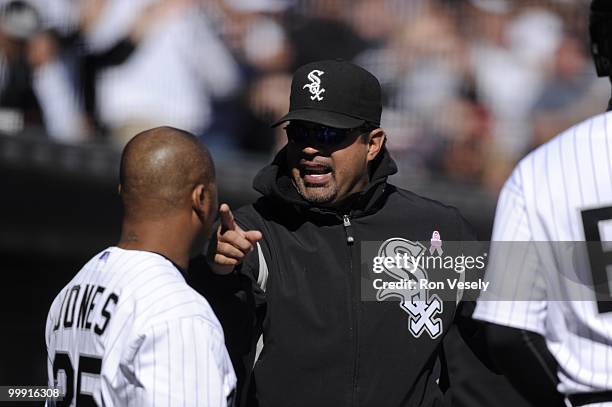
(324,346)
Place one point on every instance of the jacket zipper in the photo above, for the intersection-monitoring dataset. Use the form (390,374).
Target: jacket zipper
(350,240)
(348,228)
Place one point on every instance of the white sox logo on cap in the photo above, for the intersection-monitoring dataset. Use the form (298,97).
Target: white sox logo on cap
(354,97)
(315,84)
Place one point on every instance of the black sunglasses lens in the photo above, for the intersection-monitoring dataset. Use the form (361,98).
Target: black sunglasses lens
(297,134)
(330,135)
(321,134)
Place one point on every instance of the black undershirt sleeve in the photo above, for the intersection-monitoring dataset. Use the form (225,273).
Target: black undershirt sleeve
(473,333)
(523,357)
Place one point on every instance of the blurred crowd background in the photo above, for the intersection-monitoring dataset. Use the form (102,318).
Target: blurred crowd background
(470,86)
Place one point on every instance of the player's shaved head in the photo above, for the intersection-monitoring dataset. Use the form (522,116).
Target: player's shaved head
(159,169)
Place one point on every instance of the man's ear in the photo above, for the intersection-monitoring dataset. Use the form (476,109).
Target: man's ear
(198,199)
(119,189)
(204,201)
(376,142)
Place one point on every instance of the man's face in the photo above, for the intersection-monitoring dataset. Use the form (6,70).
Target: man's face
(327,164)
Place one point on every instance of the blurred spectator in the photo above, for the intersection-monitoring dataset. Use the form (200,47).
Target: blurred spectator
(469,85)
(257,37)
(61,16)
(421,70)
(386,13)
(322,33)
(462,140)
(267,50)
(508,65)
(175,68)
(571,94)
(35,88)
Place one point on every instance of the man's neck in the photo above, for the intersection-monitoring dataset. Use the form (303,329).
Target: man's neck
(155,238)
(345,205)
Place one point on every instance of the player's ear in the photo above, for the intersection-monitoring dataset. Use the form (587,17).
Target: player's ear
(204,207)
(198,198)
(119,189)
(204,200)
(376,141)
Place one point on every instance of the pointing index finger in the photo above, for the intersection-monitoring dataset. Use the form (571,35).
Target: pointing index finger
(227,218)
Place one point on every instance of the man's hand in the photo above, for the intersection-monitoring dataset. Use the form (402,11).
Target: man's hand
(42,49)
(232,245)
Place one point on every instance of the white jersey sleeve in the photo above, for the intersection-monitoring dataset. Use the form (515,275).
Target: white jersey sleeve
(517,295)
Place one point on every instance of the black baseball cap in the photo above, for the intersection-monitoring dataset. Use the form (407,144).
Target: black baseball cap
(334,93)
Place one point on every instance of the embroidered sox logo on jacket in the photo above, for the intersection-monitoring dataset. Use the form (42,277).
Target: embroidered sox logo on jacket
(421,307)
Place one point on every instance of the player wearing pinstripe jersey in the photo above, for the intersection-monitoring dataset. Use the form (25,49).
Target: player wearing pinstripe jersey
(128,330)
(550,306)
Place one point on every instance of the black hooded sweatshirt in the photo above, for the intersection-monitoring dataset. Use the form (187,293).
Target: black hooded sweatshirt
(323,345)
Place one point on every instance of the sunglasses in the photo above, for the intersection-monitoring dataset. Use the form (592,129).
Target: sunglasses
(319,134)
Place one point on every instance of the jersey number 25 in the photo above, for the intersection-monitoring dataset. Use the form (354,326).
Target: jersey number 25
(87,365)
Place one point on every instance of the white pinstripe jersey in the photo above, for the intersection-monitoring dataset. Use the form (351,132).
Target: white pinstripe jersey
(129,331)
(561,192)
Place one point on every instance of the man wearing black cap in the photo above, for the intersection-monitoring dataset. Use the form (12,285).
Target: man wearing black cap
(291,263)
